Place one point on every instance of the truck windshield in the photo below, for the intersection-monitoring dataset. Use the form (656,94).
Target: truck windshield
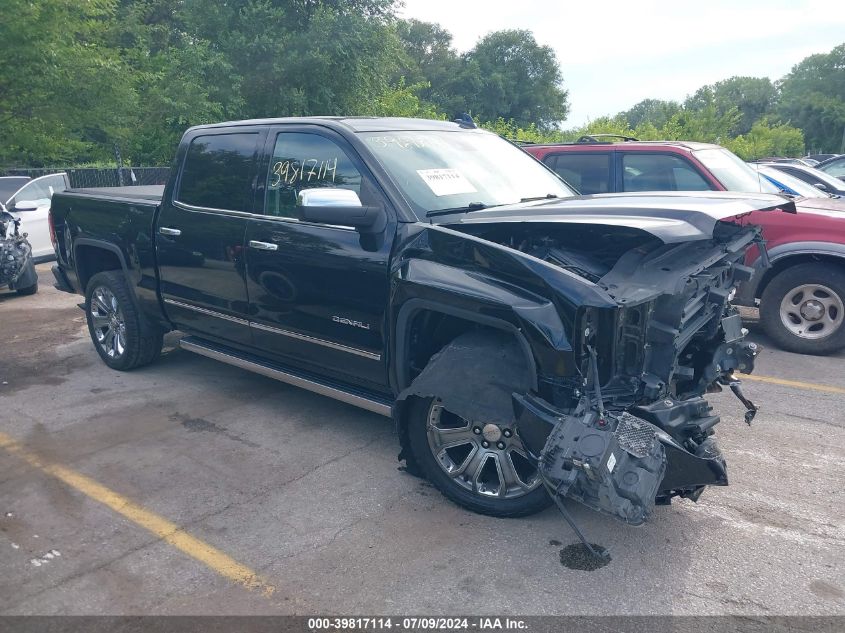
(733,173)
(439,170)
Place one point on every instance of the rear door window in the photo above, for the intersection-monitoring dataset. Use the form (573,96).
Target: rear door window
(588,173)
(660,172)
(218,172)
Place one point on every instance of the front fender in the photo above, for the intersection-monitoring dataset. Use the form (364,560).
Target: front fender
(446,271)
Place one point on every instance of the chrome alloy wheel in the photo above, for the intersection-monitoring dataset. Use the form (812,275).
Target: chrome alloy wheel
(486,459)
(812,311)
(107,322)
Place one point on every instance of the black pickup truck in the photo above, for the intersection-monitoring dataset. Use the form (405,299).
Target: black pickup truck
(529,343)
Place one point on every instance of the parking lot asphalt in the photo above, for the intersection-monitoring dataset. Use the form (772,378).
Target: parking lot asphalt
(192,487)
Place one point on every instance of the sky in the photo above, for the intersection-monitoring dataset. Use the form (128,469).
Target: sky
(614,54)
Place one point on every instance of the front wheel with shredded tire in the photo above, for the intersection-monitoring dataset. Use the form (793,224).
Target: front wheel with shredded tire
(482,467)
(803,308)
(461,429)
(123,337)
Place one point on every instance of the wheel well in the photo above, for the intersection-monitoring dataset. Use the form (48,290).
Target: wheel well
(91,260)
(430,330)
(779,265)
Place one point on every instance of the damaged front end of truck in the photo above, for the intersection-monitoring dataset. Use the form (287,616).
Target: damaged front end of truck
(634,427)
(625,345)
(17,269)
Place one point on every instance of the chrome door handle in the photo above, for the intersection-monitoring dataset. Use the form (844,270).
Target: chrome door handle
(164,230)
(263,246)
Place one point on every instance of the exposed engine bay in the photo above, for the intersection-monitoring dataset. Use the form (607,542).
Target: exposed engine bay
(629,427)
(589,251)
(16,267)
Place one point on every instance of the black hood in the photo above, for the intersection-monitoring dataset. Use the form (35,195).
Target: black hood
(671,217)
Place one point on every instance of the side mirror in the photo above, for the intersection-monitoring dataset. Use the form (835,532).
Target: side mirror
(26,205)
(340,207)
(820,185)
(328,197)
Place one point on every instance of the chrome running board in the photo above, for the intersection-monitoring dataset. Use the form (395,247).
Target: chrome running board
(285,374)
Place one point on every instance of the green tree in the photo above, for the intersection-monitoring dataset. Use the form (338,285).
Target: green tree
(765,139)
(754,97)
(707,123)
(751,97)
(813,98)
(654,111)
(180,78)
(529,134)
(509,75)
(428,58)
(403,101)
(200,61)
(63,91)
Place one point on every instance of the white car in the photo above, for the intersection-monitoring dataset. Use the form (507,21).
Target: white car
(29,199)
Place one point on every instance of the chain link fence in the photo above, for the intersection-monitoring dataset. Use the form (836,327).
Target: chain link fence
(84,177)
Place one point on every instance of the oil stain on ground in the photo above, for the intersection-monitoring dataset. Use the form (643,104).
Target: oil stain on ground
(199,424)
(578,557)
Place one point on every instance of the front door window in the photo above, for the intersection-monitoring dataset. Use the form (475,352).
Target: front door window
(306,161)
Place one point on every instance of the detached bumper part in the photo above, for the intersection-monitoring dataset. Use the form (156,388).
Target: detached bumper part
(613,464)
(619,464)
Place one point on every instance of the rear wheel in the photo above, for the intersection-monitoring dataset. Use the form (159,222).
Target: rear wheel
(803,309)
(122,336)
(482,467)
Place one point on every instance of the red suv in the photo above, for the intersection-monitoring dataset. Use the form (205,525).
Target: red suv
(802,295)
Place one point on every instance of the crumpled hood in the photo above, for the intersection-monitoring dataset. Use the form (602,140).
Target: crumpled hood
(671,217)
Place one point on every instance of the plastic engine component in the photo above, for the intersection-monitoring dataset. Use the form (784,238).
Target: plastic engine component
(613,465)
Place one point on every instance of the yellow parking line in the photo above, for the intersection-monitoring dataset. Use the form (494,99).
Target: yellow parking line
(167,531)
(792,383)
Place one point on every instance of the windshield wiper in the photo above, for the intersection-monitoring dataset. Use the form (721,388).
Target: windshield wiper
(472,206)
(548,196)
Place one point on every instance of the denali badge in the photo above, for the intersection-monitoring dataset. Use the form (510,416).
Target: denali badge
(345,321)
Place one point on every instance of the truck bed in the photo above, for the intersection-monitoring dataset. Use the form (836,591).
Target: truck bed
(153,193)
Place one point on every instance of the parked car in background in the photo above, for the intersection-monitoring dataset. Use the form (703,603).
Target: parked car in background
(812,176)
(806,162)
(29,200)
(9,185)
(820,158)
(802,296)
(834,167)
(795,187)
